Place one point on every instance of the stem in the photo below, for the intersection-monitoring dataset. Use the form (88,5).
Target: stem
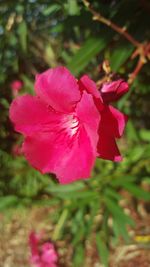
(144,55)
(136,71)
(142,49)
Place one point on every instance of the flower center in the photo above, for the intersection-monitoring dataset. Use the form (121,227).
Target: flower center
(71,124)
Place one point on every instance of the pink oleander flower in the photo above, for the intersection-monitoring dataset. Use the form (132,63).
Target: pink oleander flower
(16,86)
(67,124)
(42,255)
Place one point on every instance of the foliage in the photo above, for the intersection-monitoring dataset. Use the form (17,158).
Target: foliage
(35,35)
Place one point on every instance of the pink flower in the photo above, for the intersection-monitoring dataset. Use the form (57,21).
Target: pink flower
(16,86)
(66,125)
(42,255)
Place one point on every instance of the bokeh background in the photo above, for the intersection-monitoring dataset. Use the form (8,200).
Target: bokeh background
(104,221)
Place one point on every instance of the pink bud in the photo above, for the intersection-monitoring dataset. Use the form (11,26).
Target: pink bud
(16,86)
(112,91)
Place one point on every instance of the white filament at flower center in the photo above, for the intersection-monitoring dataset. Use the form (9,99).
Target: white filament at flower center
(71,124)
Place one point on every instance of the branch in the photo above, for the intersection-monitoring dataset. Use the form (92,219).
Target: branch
(144,55)
(97,16)
(142,49)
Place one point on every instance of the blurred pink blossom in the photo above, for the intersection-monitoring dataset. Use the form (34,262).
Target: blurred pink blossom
(16,86)
(42,255)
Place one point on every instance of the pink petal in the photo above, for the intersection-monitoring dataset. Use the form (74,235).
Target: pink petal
(85,83)
(39,150)
(112,91)
(90,86)
(48,254)
(111,126)
(114,120)
(58,88)
(33,242)
(118,121)
(90,117)
(28,114)
(107,148)
(69,159)
(79,162)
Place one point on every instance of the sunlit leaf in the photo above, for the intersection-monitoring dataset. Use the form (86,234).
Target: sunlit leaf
(90,49)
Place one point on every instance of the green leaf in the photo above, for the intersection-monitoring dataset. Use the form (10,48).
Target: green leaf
(49,55)
(145,135)
(78,235)
(60,224)
(79,256)
(22,31)
(117,212)
(136,153)
(94,210)
(4,102)
(120,230)
(8,201)
(73,8)
(51,9)
(131,131)
(69,193)
(65,188)
(120,219)
(85,54)
(28,84)
(120,181)
(102,250)
(120,55)
(110,192)
(138,192)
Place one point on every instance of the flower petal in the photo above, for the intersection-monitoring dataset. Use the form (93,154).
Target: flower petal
(90,86)
(89,116)
(107,148)
(28,114)
(111,126)
(58,88)
(112,91)
(118,121)
(85,83)
(79,162)
(69,159)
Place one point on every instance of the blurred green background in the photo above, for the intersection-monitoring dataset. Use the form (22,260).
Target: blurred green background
(36,35)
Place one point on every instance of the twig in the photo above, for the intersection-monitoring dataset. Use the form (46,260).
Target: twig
(142,49)
(136,71)
(144,54)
